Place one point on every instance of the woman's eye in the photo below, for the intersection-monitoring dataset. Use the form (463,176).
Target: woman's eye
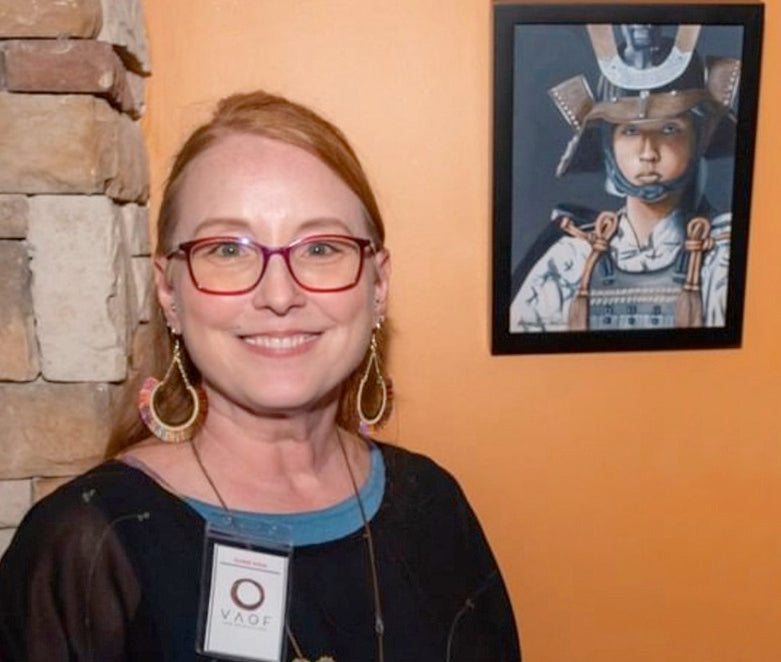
(671,129)
(321,249)
(629,130)
(227,249)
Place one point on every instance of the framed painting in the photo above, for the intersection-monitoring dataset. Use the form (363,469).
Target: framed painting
(623,155)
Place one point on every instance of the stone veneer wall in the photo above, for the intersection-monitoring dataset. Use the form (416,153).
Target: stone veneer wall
(74,256)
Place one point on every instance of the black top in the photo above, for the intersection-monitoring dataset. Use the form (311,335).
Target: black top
(107,569)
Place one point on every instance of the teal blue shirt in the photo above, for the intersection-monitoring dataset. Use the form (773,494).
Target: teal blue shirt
(313,527)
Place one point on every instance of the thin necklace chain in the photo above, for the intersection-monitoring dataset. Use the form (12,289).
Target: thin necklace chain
(379,627)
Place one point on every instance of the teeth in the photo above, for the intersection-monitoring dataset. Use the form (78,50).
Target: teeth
(279,342)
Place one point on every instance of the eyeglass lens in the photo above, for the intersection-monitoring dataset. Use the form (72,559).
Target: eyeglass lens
(320,263)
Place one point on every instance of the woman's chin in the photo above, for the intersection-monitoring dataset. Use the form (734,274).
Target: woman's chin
(281,400)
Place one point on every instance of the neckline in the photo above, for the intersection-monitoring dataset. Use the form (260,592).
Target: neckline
(308,527)
(669,230)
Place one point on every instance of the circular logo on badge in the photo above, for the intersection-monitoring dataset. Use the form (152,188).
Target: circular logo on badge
(247,594)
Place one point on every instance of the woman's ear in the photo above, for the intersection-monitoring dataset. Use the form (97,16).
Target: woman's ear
(165,293)
(382,282)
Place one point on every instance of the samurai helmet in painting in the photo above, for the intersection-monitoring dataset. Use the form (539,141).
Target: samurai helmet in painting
(647,76)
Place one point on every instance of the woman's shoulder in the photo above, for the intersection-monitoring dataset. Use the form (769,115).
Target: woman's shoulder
(111,477)
(95,486)
(418,482)
(69,524)
(110,492)
(412,463)
(113,512)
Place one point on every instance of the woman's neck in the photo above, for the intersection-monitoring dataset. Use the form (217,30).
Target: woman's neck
(276,463)
(268,444)
(645,216)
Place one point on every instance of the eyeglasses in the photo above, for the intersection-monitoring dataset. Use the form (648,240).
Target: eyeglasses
(235,265)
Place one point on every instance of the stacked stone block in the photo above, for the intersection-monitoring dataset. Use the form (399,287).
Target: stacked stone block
(74,238)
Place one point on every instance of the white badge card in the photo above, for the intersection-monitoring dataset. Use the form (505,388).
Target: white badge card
(244,596)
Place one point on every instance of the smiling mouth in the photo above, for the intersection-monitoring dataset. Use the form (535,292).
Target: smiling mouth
(280,342)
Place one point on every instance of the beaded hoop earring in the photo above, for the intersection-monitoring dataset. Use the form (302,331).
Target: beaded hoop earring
(171,432)
(375,392)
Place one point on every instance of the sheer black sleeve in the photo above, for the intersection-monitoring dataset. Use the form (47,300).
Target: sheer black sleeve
(67,589)
(438,540)
(483,629)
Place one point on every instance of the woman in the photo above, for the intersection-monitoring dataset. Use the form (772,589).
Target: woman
(271,528)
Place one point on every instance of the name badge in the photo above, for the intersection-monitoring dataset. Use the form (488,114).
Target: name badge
(244,595)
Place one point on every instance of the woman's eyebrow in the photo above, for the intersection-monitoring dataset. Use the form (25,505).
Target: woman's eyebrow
(322,223)
(227,223)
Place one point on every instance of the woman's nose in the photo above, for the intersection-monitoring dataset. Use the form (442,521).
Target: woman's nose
(648,149)
(277,289)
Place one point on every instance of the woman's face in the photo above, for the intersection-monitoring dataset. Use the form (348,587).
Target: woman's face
(278,349)
(654,151)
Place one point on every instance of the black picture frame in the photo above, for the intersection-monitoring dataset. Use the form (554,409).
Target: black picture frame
(535,48)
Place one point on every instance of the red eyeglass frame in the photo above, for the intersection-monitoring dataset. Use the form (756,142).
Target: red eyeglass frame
(267,252)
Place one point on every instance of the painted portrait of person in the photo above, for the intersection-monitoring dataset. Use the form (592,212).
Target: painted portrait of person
(639,227)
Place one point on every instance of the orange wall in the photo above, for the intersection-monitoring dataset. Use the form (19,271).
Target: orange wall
(633,500)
